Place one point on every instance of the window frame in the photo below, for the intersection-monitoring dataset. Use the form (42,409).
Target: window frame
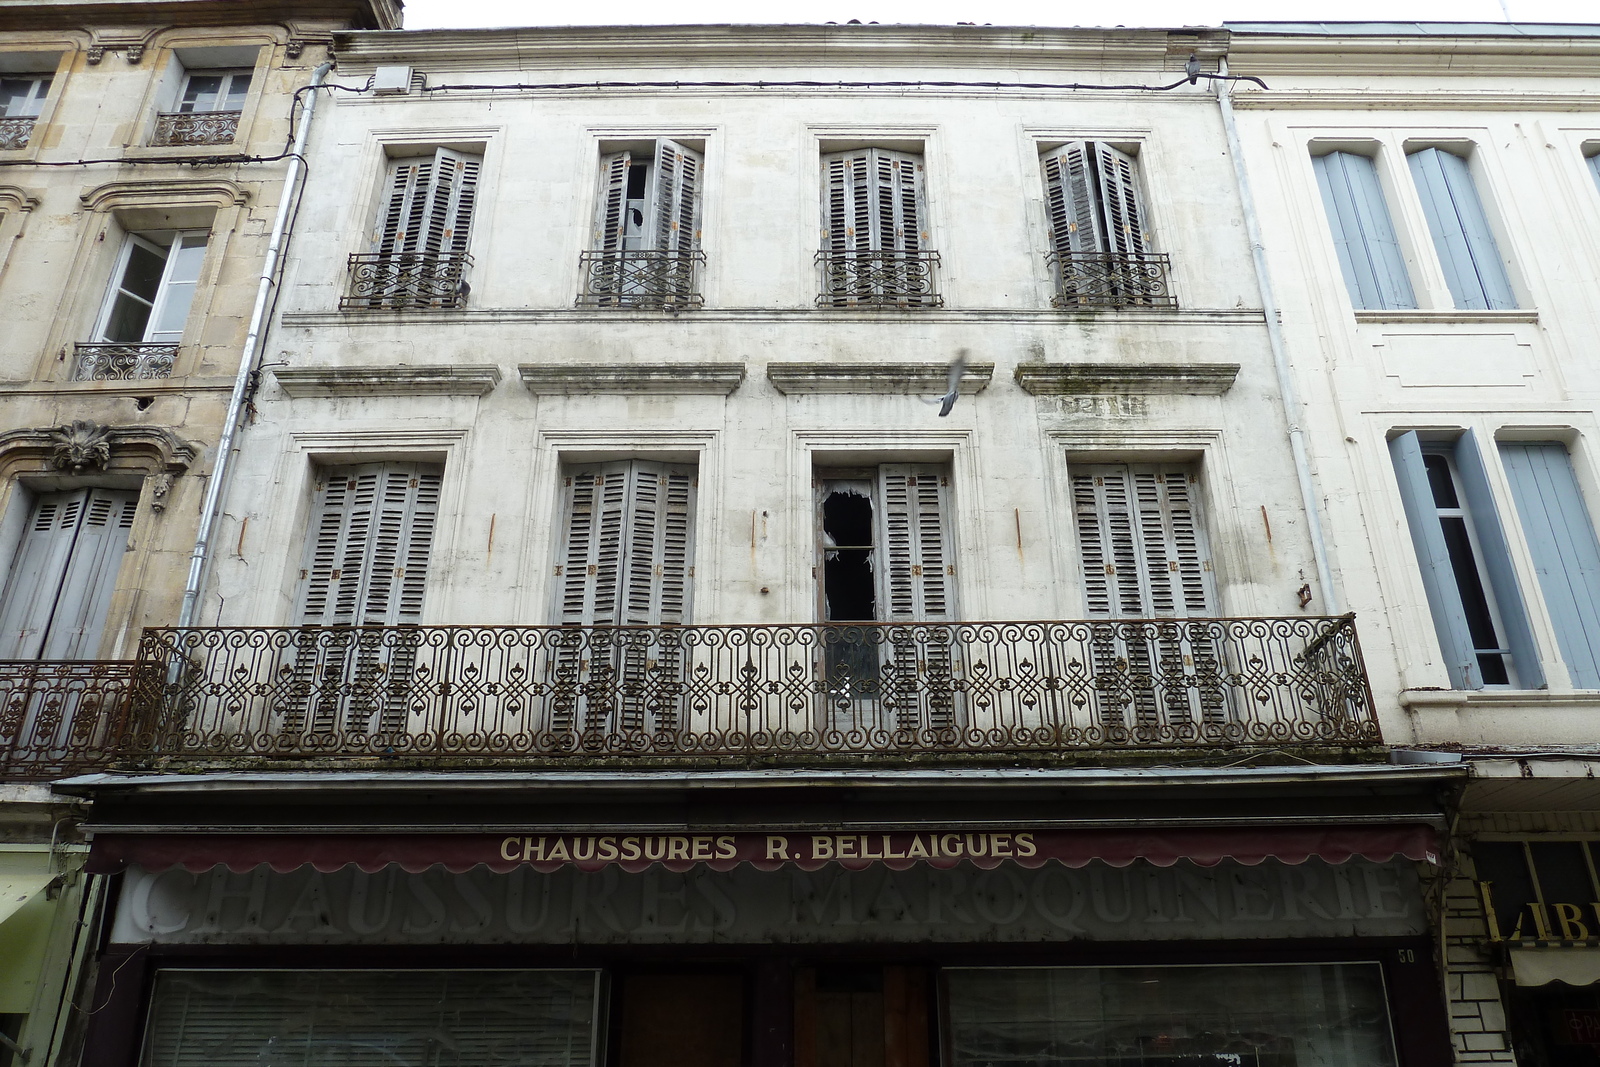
(132,239)
(229,76)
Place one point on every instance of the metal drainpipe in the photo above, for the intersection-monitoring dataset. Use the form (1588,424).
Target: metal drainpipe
(1280,357)
(200,560)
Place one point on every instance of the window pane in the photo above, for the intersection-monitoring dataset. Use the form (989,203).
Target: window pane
(142,275)
(129,316)
(1274,1016)
(371,1019)
(238,86)
(201,93)
(22,97)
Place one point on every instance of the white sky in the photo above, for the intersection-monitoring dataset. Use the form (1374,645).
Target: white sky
(435,14)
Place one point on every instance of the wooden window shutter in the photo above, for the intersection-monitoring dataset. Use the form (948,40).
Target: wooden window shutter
(1069,196)
(1125,228)
(675,197)
(1496,556)
(609,218)
(401,220)
(1594,167)
(1566,553)
(628,544)
(1438,577)
(916,554)
(60,583)
(1370,258)
(368,551)
(428,205)
(848,221)
(1141,545)
(1461,235)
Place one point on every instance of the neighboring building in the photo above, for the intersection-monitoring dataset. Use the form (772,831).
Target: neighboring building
(132,235)
(611,658)
(1430,196)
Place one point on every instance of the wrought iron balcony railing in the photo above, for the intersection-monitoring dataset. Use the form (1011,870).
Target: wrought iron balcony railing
(1112,280)
(879,279)
(407,281)
(61,718)
(122,362)
(16,131)
(802,693)
(646,278)
(196,128)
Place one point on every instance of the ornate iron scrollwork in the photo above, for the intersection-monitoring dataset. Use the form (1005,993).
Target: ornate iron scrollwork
(398,282)
(644,278)
(196,128)
(122,362)
(1112,280)
(879,279)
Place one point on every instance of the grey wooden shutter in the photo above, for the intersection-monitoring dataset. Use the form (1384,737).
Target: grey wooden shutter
(1496,554)
(1438,577)
(371,537)
(429,204)
(659,543)
(610,211)
(1566,554)
(402,218)
(1369,253)
(1119,197)
(898,201)
(628,544)
(1069,193)
(916,555)
(61,580)
(594,508)
(1461,235)
(848,221)
(1594,168)
(675,198)
(1141,544)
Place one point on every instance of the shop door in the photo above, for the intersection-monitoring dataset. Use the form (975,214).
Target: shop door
(861,1016)
(682,1020)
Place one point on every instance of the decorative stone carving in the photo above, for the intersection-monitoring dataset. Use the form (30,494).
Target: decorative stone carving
(81,444)
(135,53)
(95,54)
(293,49)
(160,486)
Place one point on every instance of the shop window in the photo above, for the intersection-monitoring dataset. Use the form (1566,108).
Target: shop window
(1332,1014)
(876,245)
(21,100)
(146,307)
(1472,590)
(238,1018)
(1101,250)
(1539,890)
(418,254)
(1370,258)
(646,250)
(1473,266)
(58,590)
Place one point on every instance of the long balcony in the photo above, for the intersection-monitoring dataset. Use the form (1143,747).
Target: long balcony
(406,281)
(1112,280)
(480,695)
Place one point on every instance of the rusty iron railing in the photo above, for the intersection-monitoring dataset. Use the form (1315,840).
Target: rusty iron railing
(879,279)
(463,694)
(406,280)
(1112,280)
(62,717)
(196,128)
(647,278)
(111,361)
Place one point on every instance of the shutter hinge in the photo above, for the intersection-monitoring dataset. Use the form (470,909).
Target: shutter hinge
(558,569)
(691,572)
(950,570)
(593,569)
(916,570)
(335,575)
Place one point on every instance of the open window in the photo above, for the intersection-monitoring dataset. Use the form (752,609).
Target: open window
(1101,251)
(22,98)
(418,255)
(876,245)
(646,251)
(146,307)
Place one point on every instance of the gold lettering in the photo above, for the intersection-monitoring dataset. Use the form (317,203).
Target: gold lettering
(821,847)
(1025,846)
(558,851)
(508,849)
(577,848)
(947,848)
(974,850)
(999,844)
(1572,928)
(607,849)
(725,849)
(917,849)
(845,845)
(655,848)
(888,850)
(677,848)
(532,851)
(702,849)
(630,848)
(866,849)
(1489,916)
(1541,922)
(777,847)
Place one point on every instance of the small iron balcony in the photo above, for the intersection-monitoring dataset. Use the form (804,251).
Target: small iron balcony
(196,128)
(61,717)
(401,281)
(467,695)
(1112,280)
(110,361)
(641,278)
(879,279)
(15,132)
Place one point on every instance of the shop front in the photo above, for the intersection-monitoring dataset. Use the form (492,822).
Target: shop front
(791,948)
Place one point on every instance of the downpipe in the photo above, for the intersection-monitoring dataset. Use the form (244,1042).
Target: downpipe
(211,510)
(1288,396)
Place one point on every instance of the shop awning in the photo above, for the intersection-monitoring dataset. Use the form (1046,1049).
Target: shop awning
(17,887)
(807,849)
(1541,966)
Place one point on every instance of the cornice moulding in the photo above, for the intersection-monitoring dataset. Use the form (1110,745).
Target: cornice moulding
(470,380)
(887,378)
(489,318)
(1358,100)
(578,379)
(1074,379)
(164,192)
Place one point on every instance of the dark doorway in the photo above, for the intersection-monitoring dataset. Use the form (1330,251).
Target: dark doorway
(682,1020)
(862,1016)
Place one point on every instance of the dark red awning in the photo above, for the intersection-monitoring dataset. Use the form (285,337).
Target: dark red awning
(809,850)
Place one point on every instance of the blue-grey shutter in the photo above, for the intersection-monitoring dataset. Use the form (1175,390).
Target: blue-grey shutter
(1566,554)
(1496,557)
(91,575)
(1461,235)
(1369,253)
(1438,579)
(1594,167)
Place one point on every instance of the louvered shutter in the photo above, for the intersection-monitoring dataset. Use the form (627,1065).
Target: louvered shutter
(1069,193)
(91,575)
(848,221)
(1566,554)
(429,204)
(659,544)
(675,198)
(1141,546)
(1438,577)
(917,580)
(610,210)
(402,218)
(1467,250)
(1370,258)
(1496,553)
(371,536)
(60,583)
(595,509)
(628,544)
(454,196)
(1119,196)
